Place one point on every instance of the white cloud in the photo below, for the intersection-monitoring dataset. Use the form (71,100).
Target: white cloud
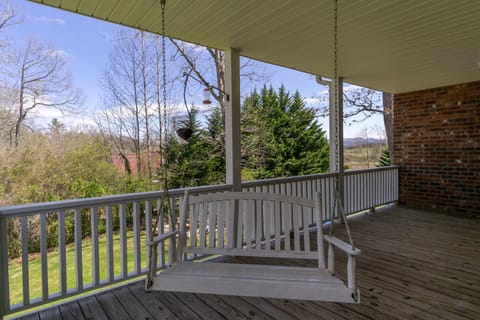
(49,20)
(41,118)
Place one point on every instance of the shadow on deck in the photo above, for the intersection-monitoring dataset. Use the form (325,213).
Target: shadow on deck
(414,265)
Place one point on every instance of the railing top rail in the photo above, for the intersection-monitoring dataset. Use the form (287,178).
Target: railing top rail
(358,171)
(27,209)
(265,182)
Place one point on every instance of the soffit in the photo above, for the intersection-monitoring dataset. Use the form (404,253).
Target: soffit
(390,45)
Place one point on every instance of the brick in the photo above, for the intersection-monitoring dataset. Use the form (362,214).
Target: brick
(437,146)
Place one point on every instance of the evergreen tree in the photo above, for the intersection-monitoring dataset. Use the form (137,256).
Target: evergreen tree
(215,135)
(384,160)
(197,161)
(280,136)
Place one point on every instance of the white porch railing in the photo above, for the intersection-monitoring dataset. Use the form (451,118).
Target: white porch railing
(364,189)
(116,227)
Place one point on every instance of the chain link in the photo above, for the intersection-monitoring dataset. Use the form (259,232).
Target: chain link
(165,203)
(338,122)
(164,99)
(335,77)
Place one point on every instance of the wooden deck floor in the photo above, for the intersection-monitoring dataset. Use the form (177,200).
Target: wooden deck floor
(414,265)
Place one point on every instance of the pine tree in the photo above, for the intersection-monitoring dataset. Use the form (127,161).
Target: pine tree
(384,160)
(280,136)
(200,160)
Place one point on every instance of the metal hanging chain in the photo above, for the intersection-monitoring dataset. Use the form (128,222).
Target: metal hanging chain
(164,203)
(335,77)
(335,110)
(164,99)
(338,203)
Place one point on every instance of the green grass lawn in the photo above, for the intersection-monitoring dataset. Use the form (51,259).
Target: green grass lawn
(35,277)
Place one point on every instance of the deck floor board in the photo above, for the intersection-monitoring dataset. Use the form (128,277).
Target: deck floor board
(414,265)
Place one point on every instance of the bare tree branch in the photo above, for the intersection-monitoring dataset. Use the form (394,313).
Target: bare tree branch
(39,77)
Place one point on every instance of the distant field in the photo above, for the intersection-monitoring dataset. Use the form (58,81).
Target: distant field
(362,157)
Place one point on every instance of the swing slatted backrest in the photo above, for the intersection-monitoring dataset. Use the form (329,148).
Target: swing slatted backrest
(260,225)
(251,224)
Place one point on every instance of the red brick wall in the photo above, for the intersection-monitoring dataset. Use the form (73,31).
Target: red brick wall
(437,146)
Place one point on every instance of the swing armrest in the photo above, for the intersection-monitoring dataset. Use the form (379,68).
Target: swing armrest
(162,237)
(342,245)
(351,264)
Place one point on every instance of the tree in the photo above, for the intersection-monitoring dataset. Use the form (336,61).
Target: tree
(56,165)
(388,119)
(280,136)
(367,102)
(207,65)
(131,95)
(198,161)
(56,127)
(7,117)
(7,17)
(364,135)
(384,160)
(362,103)
(37,78)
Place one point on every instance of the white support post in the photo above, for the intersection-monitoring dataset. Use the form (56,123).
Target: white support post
(232,128)
(336,129)
(232,118)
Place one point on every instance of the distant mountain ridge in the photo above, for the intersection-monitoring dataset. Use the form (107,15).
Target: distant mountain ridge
(353,142)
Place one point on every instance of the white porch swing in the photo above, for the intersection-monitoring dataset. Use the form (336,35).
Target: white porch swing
(258,225)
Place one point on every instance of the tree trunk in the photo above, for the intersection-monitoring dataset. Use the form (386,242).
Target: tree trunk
(388,119)
(145,106)
(21,116)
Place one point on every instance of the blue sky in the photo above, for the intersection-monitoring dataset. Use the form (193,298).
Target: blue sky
(86,43)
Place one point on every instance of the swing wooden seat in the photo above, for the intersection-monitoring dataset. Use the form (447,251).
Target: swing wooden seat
(260,225)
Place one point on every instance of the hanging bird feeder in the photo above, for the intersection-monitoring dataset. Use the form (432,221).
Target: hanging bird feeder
(206,96)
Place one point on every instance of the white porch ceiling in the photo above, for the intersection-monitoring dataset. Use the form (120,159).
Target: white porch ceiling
(390,45)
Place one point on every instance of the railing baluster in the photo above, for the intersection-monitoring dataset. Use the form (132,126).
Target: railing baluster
(123,241)
(25,273)
(160,229)
(371,181)
(4,278)
(347,195)
(148,228)
(95,249)
(78,249)
(44,255)
(136,238)
(358,186)
(109,243)
(62,252)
